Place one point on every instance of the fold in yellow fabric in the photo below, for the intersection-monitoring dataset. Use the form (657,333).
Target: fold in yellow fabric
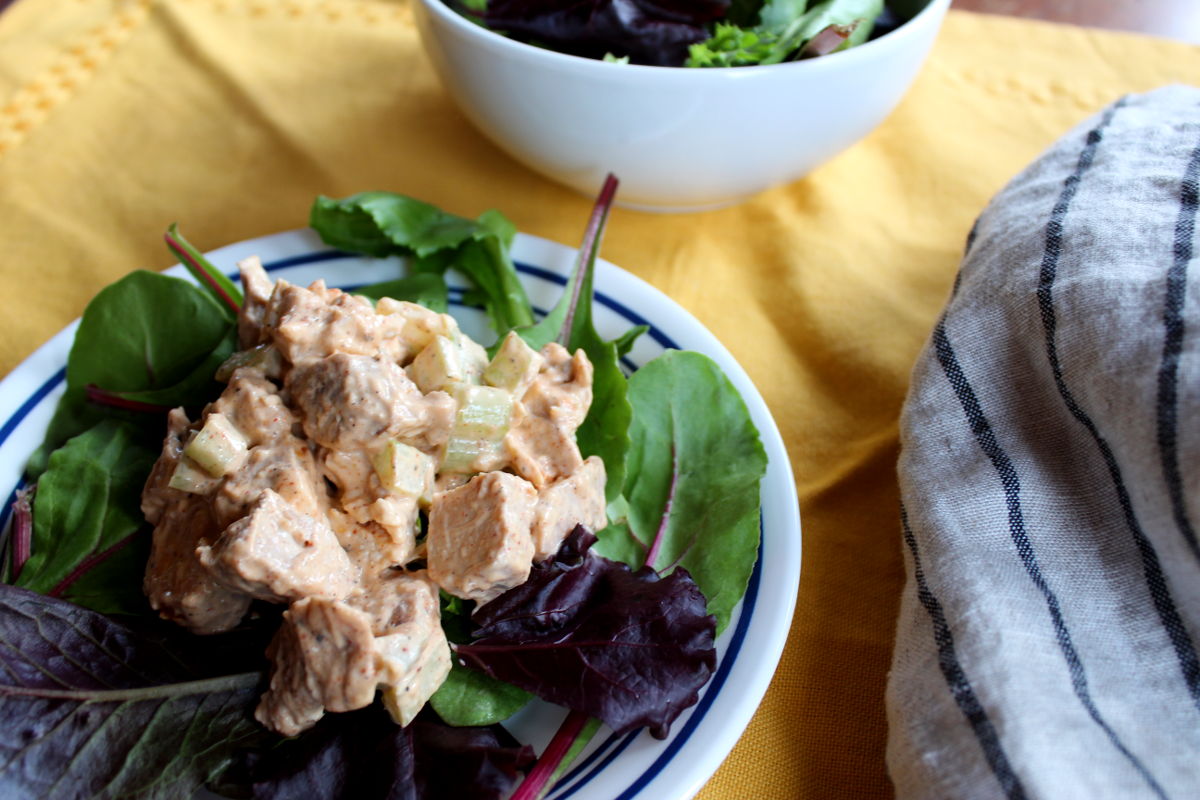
(118,117)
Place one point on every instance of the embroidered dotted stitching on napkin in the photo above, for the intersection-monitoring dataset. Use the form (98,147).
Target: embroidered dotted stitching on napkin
(371,12)
(31,104)
(1037,90)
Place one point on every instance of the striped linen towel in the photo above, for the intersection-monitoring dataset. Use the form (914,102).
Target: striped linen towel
(1048,643)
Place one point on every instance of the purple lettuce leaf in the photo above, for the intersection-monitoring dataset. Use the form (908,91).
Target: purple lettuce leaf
(358,754)
(364,755)
(655,32)
(629,648)
(93,708)
(475,762)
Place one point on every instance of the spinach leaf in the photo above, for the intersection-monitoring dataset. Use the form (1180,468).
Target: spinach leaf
(605,431)
(93,708)
(625,342)
(469,697)
(87,501)
(147,331)
(110,581)
(629,648)
(147,337)
(384,223)
(195,388)
(423,288)
(692,480)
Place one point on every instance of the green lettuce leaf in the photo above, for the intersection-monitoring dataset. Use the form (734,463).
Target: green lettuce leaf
(384,223)
(470,698)
(88,501)
(860,14)
(692,479)
(224,291)
(732,46)
(147,331)
(423,288)
(147,337)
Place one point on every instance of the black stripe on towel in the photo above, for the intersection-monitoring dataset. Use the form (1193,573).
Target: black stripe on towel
(986,440)
(971,236)
(956,678)
(1160,593)
(1173,322)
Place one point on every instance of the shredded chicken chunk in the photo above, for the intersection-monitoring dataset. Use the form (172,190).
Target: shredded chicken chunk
(350,402)
(577,499)
(332,655)
(280,554)
(323,658)
(413,653)
(541,442)
(177,584)
(479,542)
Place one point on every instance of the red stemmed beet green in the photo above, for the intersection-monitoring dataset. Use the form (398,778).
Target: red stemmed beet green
(203,271)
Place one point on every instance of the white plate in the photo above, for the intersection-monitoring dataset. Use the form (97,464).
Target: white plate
(613,767)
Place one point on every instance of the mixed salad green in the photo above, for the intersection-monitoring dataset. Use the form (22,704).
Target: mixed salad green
(691,33)
(100,698)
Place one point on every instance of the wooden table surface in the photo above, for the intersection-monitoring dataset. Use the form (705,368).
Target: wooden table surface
(1175,19)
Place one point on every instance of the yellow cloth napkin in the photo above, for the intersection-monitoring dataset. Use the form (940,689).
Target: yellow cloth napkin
(118,117)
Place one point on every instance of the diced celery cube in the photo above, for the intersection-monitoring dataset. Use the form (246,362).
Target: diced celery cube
(474,358)
(219,448)
(477,438)
(471,455)
(421,324)
(405,470)
(484,412)
(438,367)
(514,366)
(189,477)
(264,358)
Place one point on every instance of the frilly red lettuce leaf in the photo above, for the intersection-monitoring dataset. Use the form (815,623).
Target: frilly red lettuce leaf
(629,648)
(656,32)
(364,755)
(475,762)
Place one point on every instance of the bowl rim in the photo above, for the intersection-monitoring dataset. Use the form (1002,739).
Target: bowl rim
(929,16)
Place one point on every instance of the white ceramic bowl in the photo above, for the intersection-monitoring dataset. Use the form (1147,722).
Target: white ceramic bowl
(677,138)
